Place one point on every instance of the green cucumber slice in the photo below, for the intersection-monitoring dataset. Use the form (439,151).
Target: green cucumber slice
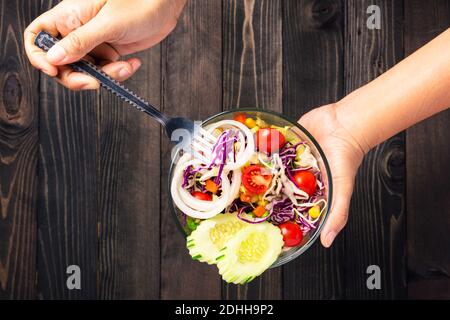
(250,252)
(210,236)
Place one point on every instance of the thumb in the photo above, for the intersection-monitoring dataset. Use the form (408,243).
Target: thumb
(339,211)
(78,43)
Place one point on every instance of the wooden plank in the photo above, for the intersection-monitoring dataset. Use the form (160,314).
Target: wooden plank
(129,190)
(67,211)
(375,234)
(19,101)
(67,214)
(192,78)
(252,54)
(428,221)
(252,77)
(313,76)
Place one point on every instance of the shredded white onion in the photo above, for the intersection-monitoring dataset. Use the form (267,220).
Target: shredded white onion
(307,159)
(310,204)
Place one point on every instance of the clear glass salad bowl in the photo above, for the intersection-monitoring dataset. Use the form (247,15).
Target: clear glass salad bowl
(276,119)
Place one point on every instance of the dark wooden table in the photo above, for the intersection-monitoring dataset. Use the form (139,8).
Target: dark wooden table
(83,177)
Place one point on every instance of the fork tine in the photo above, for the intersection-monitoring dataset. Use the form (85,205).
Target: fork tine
(207,135)
(200,157)
(204,142)
(197,146)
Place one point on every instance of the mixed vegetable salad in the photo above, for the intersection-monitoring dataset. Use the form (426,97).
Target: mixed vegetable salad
(260,194)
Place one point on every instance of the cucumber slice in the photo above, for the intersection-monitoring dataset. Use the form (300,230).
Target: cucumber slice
(204,244)
(250,252)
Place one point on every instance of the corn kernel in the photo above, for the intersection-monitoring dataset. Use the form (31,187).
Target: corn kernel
(254,129)
(314,212)
(249,122)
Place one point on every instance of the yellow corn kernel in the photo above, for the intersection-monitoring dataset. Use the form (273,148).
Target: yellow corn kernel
(249,122)
(314,212)
(254,129)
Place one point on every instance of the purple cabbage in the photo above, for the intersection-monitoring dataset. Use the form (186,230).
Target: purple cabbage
(187,174)
(304,223)
(282,211)
(224,143)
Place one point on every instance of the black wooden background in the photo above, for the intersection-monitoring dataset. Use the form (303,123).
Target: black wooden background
(83,177)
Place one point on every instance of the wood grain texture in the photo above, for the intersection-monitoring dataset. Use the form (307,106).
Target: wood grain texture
(252,54)
(19,102)
(313,76)
(67,214)
(375,234)
(67,198)
(252,77)
(83,177)
(129,190)
(428,172)
(192,80)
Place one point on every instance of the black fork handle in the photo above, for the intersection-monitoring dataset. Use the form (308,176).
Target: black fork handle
(45,41)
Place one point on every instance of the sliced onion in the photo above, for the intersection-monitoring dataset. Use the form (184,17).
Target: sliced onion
(200,208)
(192,206)
(246,147)
(235,185)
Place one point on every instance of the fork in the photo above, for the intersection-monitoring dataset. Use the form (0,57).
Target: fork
(199,141)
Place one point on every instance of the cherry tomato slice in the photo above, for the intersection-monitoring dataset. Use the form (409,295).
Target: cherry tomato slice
(201,196)
(255,179)
(306,181)
(292,234)
(240,117)
(269,140)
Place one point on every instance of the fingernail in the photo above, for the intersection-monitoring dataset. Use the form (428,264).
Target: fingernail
(56,54)
(123,73)
(88,86)
(136,64)
(330,238)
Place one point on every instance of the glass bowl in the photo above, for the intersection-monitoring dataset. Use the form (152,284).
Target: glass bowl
(277,119)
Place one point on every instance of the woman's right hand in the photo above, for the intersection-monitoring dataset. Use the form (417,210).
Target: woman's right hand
(104,29)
